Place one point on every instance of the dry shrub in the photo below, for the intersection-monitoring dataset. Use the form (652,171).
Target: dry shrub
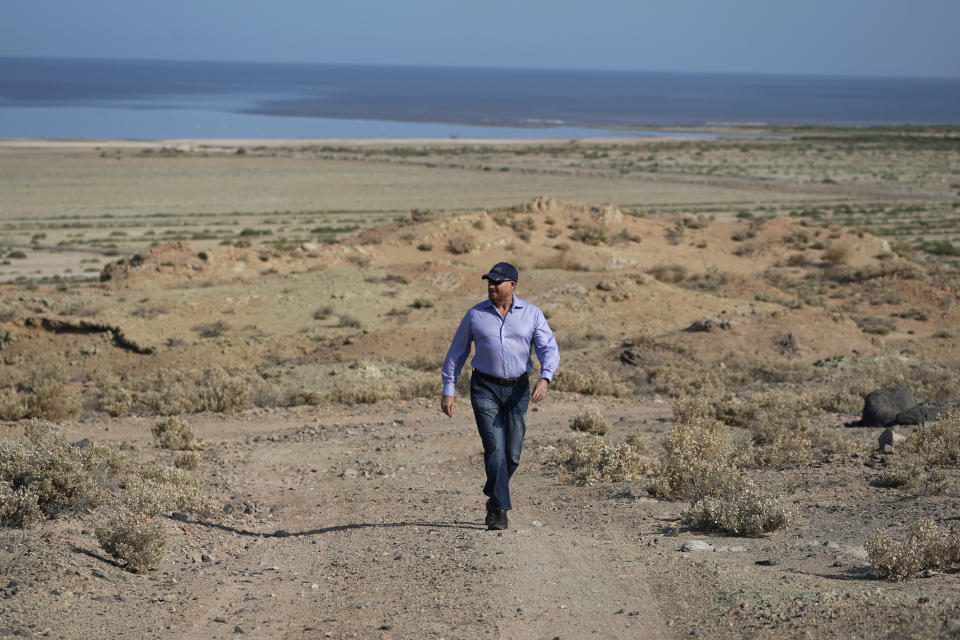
(592,235)
(590,422)
(741,510)
(593,461)
(159,490)
(212,329)
(39,394)
(423,215)
(45,477)
(920,458)
(875,325)
(595,381)
(926,547)
(838,253)
(12,406)
(699,458)
(188,460)
(461,244)
(670,274)
(936,443)
(117,401)
(221,392)
(174,433)
(136,541)
(174,392)
(566,260)
(846,274)
(780,421)
(929,380)
(635,440)
(51,400)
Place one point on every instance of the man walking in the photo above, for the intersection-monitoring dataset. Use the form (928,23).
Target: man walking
(503,328)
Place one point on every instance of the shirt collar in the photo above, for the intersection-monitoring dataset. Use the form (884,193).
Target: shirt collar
(518,303)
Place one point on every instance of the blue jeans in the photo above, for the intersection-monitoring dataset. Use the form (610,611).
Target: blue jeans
(500,411)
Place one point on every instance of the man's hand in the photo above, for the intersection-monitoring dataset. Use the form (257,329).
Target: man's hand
(446,405)
(539,390)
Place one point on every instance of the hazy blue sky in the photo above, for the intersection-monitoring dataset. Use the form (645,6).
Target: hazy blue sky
(872,37)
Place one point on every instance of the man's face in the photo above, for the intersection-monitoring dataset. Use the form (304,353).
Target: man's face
(500,292)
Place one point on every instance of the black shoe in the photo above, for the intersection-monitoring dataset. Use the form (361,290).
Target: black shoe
(490,511)
(497,521)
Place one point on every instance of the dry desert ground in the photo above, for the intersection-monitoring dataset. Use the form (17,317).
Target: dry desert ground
(219,381)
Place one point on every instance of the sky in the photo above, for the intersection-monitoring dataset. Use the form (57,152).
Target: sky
(833,37)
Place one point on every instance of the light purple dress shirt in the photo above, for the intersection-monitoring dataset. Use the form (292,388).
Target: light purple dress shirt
(503,344)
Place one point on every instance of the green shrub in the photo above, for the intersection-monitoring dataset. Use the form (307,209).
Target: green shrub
(136,541)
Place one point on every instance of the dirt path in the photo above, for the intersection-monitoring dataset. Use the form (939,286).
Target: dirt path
(387,540)
(366,522)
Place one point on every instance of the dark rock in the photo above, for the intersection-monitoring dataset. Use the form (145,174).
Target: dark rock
(180,516)
(282,533)
(919,415)
(769,562)
(708,324)
(881,408)
(889,438)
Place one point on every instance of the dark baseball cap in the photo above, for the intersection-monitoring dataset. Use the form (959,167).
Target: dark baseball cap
(502,271)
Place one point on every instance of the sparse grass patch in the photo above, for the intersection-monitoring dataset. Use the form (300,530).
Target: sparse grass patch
(685,379)
(174,392)
(591,422)
(595,381)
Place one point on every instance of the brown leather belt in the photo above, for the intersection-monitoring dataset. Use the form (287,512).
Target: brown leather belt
(503,381)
